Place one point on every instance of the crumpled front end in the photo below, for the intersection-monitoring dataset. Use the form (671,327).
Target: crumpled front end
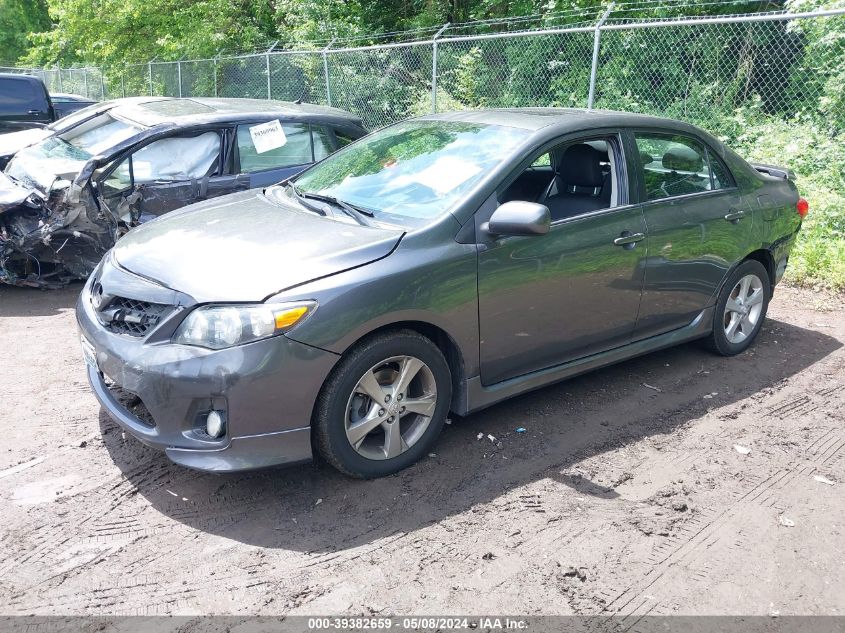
(49,239)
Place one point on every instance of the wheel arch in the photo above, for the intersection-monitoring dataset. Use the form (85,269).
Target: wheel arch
(445,343)
(765,257)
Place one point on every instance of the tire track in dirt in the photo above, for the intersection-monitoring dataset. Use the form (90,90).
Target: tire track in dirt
(714,526)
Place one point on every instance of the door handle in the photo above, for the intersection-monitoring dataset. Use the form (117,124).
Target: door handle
(34,112)
(629,240)
(735,216)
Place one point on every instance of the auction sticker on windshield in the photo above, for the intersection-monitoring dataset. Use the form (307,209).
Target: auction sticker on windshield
(267,136)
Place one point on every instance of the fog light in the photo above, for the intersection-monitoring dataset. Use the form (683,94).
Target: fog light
(215,426)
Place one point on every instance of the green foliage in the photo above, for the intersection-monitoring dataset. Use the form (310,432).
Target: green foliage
(815,151)
(117,32)
(19,18)
(773,90)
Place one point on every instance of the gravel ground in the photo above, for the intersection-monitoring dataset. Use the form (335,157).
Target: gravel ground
(679,482)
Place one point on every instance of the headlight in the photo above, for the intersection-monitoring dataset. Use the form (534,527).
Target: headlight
(217,326)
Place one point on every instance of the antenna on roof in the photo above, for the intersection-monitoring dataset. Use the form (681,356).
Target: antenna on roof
(300,98)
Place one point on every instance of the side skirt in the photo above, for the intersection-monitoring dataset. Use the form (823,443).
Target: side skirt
(476,396)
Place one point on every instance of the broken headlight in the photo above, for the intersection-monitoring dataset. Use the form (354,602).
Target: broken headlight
(220,326)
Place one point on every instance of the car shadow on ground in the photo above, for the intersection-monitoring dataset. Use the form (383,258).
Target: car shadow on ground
(312,508)
(34,302)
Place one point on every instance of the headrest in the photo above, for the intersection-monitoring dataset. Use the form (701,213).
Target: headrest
(682,158)
(580,165)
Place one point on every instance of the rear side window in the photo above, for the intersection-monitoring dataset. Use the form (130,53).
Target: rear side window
(19,95)
(676,166)
(263,146)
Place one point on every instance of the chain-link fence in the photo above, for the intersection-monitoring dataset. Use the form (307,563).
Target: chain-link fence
(693,68)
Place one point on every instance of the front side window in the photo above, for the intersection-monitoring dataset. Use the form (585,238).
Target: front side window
(674,165)
(572,179)
(274,145)
(414,170)
(172,159)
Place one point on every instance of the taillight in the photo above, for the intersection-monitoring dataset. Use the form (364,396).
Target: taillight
(803,207)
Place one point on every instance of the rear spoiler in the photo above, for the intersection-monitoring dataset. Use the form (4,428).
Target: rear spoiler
(775,171)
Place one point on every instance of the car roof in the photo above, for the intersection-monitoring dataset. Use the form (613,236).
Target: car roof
(194,111)
(69,96)
(563,119)
(18,76)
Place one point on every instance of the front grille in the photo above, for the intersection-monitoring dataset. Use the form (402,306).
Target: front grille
(132,317)
(132,403)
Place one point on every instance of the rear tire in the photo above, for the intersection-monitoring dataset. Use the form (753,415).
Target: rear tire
(741,309)
(383,406)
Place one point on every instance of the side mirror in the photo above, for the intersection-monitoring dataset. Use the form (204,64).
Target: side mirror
(520,218)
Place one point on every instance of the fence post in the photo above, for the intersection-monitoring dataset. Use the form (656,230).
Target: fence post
(150,74)
(216,56)
(595,66)
(102,85)
(326,71)
(267,69)
(123,82)
(179,75)
(434,67)
(59,66)
(85,82)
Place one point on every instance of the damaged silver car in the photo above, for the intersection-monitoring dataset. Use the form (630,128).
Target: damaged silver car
(65,200)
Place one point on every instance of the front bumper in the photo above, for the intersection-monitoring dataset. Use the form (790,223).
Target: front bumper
(267,388)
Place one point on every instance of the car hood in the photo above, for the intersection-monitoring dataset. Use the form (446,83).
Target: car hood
(13,142)
(12,194)
(243,247)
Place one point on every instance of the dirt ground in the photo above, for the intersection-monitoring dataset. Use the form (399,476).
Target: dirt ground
(631,491)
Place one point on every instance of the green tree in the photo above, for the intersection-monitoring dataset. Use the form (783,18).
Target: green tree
(19,18)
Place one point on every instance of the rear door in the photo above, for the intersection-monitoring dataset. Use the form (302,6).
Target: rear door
(271,151)
(698,226)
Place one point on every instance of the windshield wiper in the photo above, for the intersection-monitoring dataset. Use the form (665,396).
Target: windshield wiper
(359,214)
(303,201)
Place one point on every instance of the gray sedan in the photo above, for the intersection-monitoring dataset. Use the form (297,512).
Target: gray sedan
(443,263)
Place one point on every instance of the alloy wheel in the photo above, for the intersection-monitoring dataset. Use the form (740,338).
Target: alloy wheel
(390,407)
(743,308)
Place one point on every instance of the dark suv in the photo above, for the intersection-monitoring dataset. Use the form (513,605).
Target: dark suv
(25,103)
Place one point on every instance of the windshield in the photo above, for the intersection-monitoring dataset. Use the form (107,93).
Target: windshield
(99,134)
(74,118)
(63,155)
(412,171)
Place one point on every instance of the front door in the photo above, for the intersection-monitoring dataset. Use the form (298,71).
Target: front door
(168,174)
(545,300)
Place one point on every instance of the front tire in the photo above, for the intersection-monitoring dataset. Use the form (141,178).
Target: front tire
(741,309)
(383,406)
